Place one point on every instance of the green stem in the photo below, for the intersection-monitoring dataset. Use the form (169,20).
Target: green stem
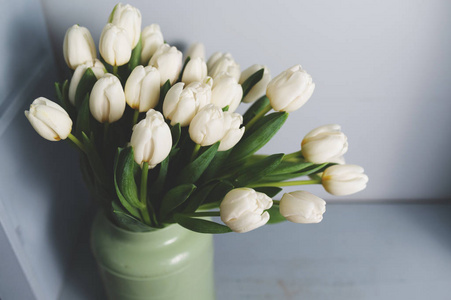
(195,152)
(135,117)
(286,183)
(258,116)
(76,142)
(297,154)
(115,68)
(276,202)
(106,126)
(143,193)
(204,214)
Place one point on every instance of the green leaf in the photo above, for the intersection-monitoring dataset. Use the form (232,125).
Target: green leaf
(275,216)
(270,191)
(183,68)
(95,160)
(225,108)
(110,18)
(132,210)
(290,167)
(176,131)
(304,172)
(260,136)
(125,172)
(135,58)
(84,87)
(251,81)
(129,222)
(83,117)
(258,170)
(219,191)
(216,165)
(257,107)
(163,91)
(200,225)
(175,197)
(192,172)
(199,196)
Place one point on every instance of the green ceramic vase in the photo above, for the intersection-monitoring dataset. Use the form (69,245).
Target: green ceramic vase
(169,263)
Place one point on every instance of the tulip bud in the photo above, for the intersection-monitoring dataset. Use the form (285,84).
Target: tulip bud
(259,89)
(324,144)
(115,45)
(49,119)
(195,71)
(207,126)
(129,18)
(152,39)
(181,104)
(343,180)
(151,139)
(226,91)
(233,130)
(97,68)
(142,89)
(243,209)
(168,60)
(196,50)
(219,63)
(78,46)
(107,99)
(291,89)
(302,207)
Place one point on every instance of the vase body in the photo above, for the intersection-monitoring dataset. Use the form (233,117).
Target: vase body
(168,263)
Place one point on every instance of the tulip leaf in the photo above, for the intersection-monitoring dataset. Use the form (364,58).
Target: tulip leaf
(110,18)
(192,172)
(218,193)
(176,132)
(95,160)
(257,107)
(290,167)
(226,108)
(252,142)
(175,197)
(199,196)
(135,57)
(304,172)
(249,83)
(258,170)
(83,117)
(275,216)
(84,87)
(183,68)
(270,191)
(125,171)
(163,91)
(132,210)
(129,222)
(200,225)
(216,164)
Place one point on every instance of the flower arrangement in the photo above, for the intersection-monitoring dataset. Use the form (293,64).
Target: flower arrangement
(160,141)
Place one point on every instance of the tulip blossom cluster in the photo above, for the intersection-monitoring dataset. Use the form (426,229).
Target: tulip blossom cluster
(161,141)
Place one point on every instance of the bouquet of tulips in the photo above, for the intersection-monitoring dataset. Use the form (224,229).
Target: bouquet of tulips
(160,141)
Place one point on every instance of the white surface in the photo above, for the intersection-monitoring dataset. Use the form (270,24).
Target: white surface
(359,251)
(381,68)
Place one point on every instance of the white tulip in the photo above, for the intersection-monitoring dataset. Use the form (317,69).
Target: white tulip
(259,89)
(196,50)
(233,130)
(129,18)
(151,139)
(343,180)
(142,89)
(168,60)
(223,63)
(195,71)
(207,126)
(302,207)
(243,209)
(49,119)
(152,39)
(107,99)
(97,68)
(291,89)
(181,104)
(324,144)
(226,91)
(115,45)
(78,46)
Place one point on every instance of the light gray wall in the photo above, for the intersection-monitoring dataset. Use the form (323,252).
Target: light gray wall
(381,69)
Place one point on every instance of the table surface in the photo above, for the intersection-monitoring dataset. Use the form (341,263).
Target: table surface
(359,251)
